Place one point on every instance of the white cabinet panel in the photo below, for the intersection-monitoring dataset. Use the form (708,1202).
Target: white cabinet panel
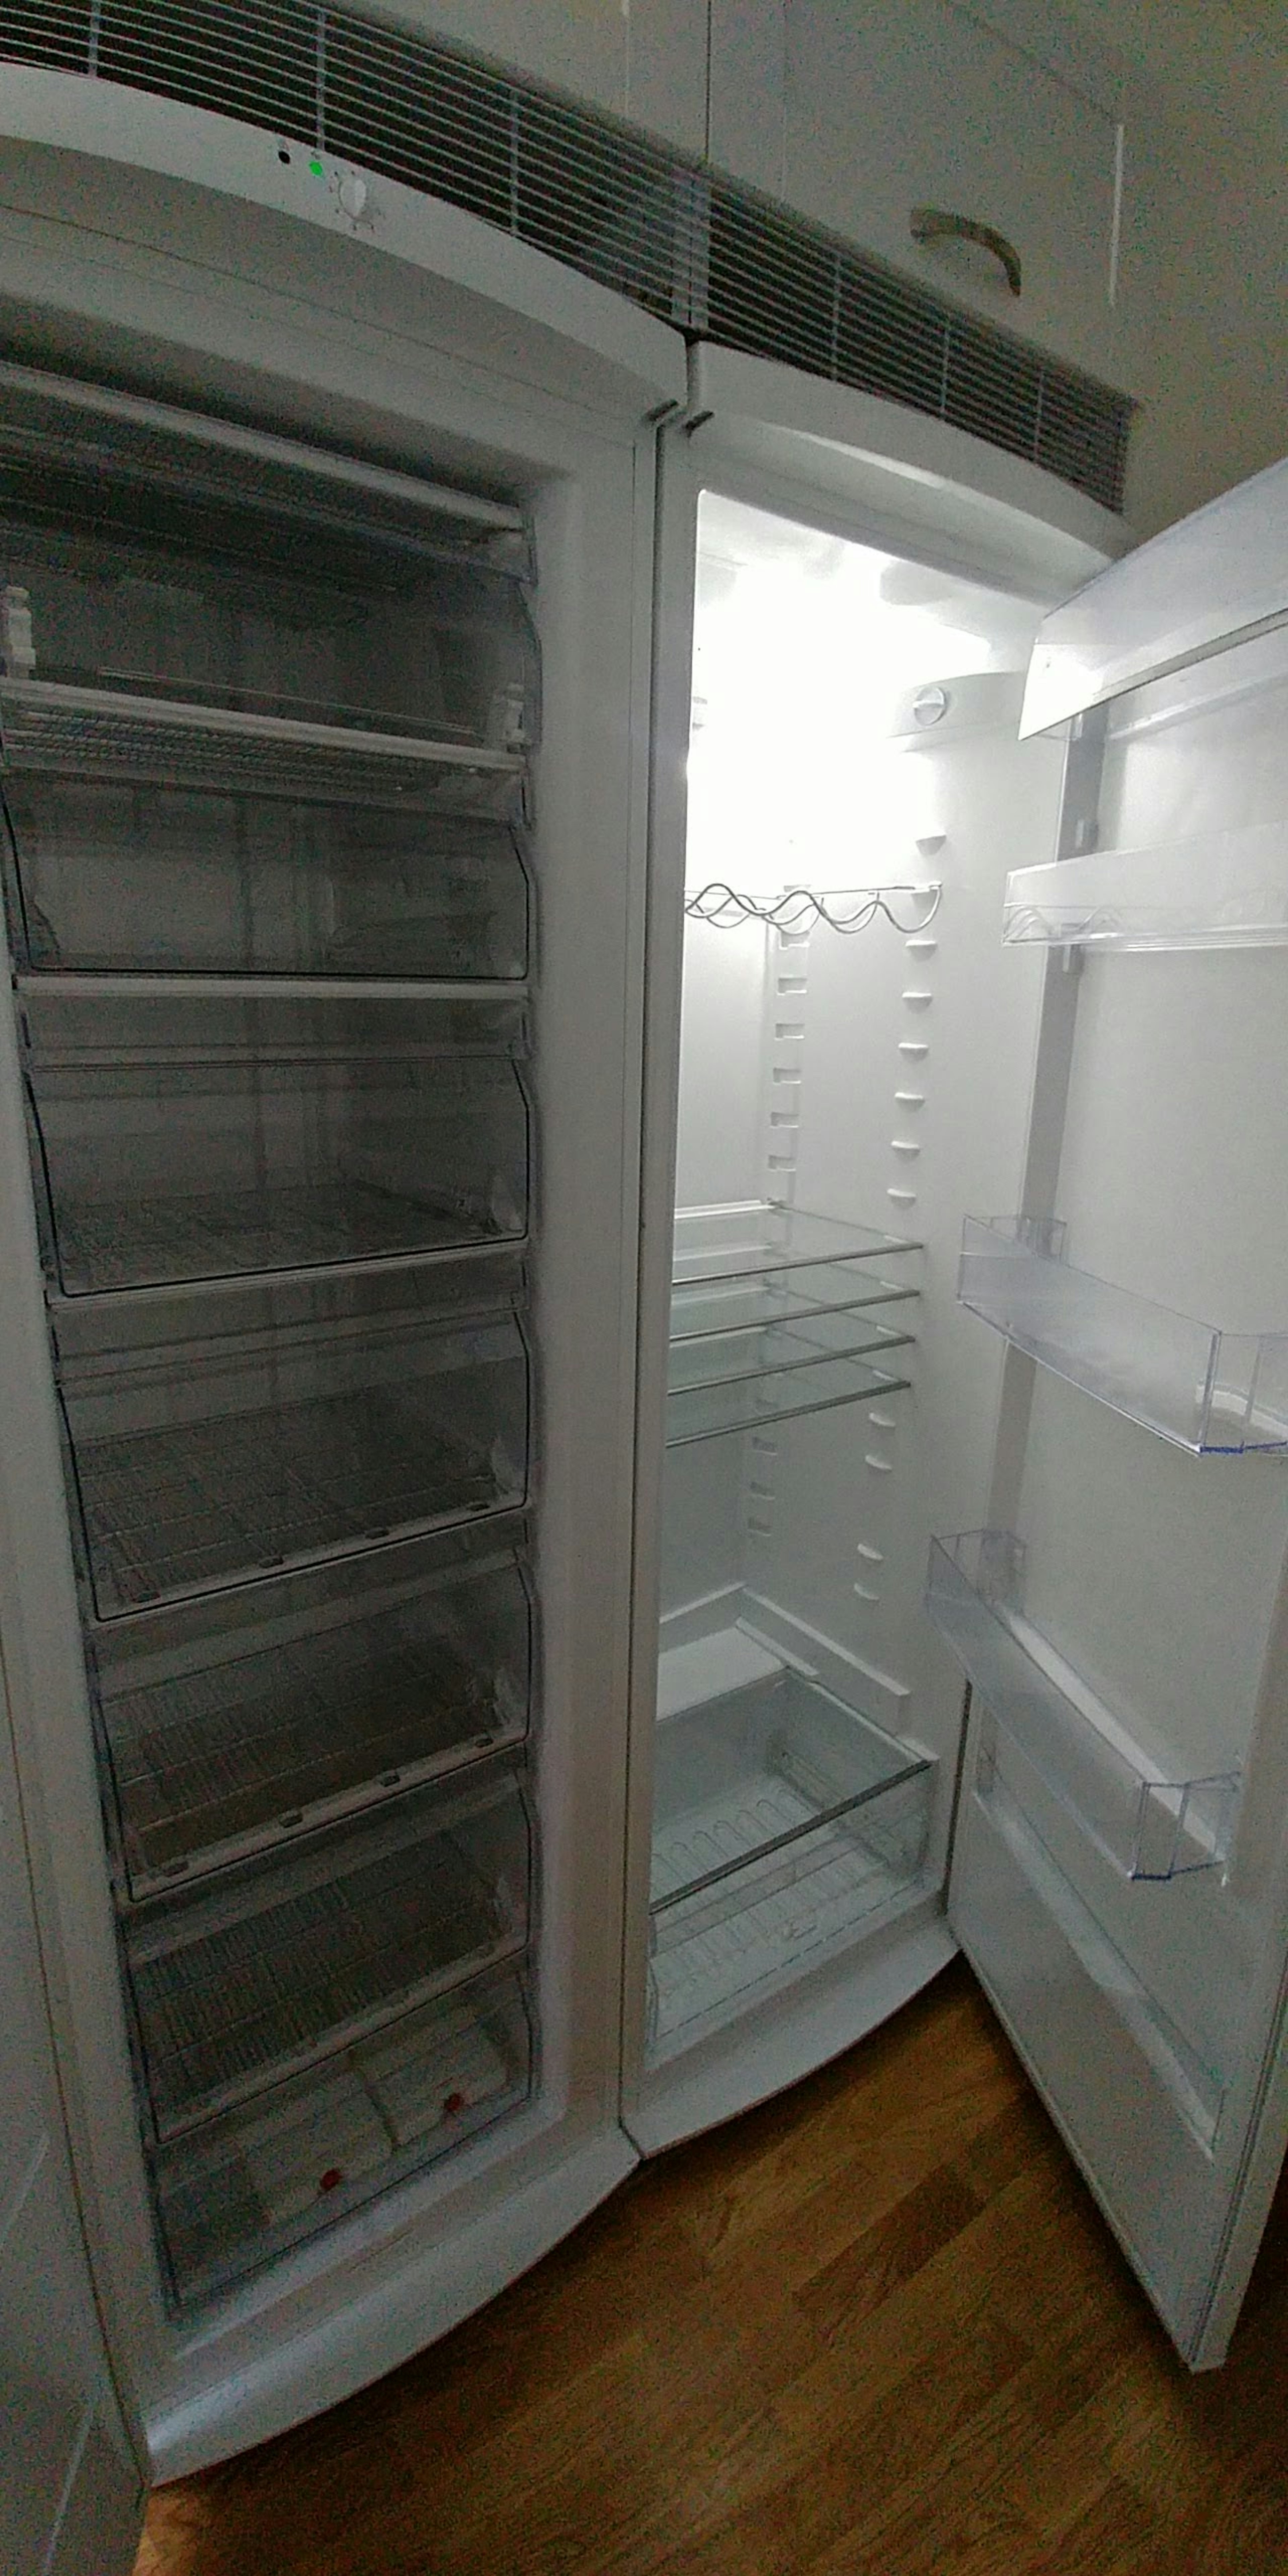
(642,59)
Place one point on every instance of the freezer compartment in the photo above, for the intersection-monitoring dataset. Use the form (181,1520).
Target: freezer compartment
(198,601)
(724,1358)
(233,1725)
(1207,1390)
(283,1963)
(1147,1822)
(782,1297)
(785,1824)
(244,2190)
(215,1437)
(109,875)
(200,1138)
(748,1238)
(742,1404)
(1220,889)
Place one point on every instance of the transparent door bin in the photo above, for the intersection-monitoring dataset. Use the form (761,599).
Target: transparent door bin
(256,617)
(1218,890)
(111,877)
(207,1137)
(742,1404)
(781,1297)
(748,1237)
(1147,1822)
(241,1433)
(769,1349)
(245,2189)
(234,1725)
(280,1964)
(1209,1391)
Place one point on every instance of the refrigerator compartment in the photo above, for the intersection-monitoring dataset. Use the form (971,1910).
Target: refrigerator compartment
(1148,1823)
(120,876)
(1209,1391)
(233,1725)
(785,1297)
(727,1946)
(280,1965)
(742,1404)
(208,605)
(214,1438)
(727,1357)
(746,1238)
(200,1138)
(1218,890)
(49,728)
(234,2195)
(760,1768)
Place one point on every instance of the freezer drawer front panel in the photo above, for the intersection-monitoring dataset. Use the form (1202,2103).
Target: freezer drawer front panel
(1122,2100)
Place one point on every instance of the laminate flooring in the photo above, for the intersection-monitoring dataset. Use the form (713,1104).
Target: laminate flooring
(876,2328)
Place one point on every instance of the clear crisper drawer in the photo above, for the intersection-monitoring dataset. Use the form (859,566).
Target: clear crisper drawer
(208,606)
(784,1823)
(280,1965)
(235,1724)
(258,2181)
(196,1139)
(219,1437)
(109,875)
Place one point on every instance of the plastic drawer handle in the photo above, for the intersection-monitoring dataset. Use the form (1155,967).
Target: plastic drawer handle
(931,224)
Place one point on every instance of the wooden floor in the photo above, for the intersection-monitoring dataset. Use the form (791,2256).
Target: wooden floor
(876,2329)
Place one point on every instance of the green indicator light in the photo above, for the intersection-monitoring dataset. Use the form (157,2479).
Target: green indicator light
(317,169)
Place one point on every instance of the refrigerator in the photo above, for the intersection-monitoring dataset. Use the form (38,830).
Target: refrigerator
(647,1385)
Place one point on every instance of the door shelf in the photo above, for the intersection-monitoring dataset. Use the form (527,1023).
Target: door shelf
(748,1238)
(234,1725)
(235,2195)
(1211,1392)
(781,1297)
(728,1358)
(743,1404)
(1221,890)
(106,734)
(200,1139)
(282,1964)
(1143,1819)
(219,1437)
(111,876)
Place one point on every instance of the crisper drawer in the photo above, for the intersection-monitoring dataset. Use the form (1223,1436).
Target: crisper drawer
(220,609)
(281,1964)
(201,1138)
(110,874)
(236,1723)
(235,2194)
(218,1437)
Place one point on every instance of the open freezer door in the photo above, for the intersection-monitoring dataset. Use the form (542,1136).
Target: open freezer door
(1120,1869)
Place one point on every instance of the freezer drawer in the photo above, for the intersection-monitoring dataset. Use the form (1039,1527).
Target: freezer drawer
(139,877)
(198,1139)
(281,1964)
(236,2194)
(234,1724)
(242,1431)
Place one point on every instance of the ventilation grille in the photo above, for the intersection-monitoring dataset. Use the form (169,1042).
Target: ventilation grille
(715,259)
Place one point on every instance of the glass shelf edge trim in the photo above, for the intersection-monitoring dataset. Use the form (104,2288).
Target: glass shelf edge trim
(1214,1393)
(1149,1826)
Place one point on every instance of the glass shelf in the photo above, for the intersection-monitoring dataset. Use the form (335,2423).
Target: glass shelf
(122,876)
(781,1297)
(741,1404)
(234,1725)
(280,1965)
(98,733)
(236,2194)
(1213,1393)
(749,1237)
(730,1356)
(1148,1824)
(1220,890)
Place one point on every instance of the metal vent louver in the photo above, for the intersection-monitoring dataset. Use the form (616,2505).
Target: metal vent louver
(704,253)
